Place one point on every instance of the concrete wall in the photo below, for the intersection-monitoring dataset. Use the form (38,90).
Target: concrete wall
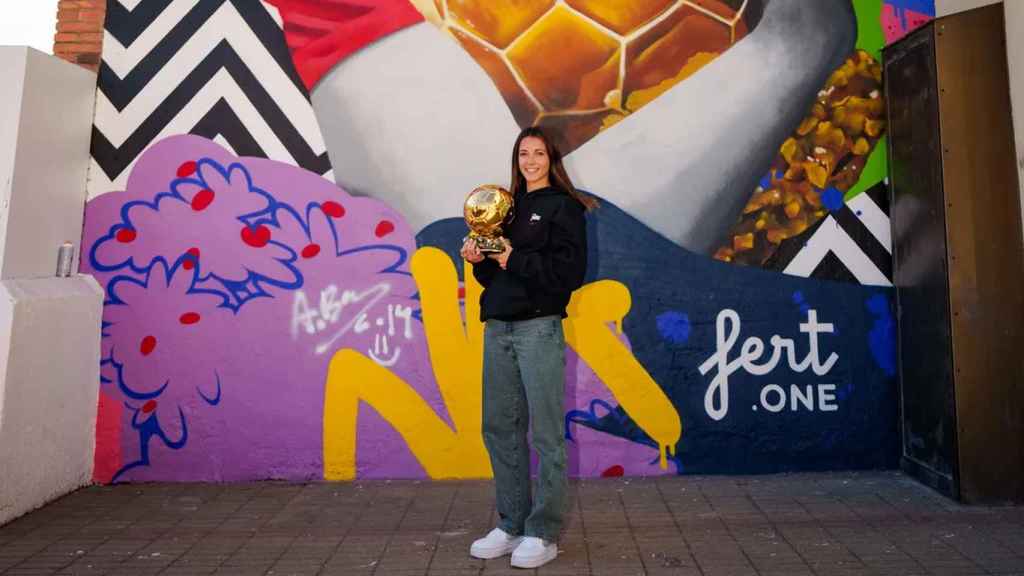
(49,327)
(48,349)
(14,60)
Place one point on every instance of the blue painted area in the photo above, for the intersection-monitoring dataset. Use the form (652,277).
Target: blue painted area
(148,428)
(661,276)
(216,397)
(590,415)
(287,275)
(882,337)
(832,199)
(239,289)
(926,7)
(922,6)
(674,327)
(614,420)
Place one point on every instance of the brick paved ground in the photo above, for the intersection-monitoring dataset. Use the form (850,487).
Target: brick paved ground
(830,524)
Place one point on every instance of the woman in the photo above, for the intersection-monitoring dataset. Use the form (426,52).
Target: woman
(526,290)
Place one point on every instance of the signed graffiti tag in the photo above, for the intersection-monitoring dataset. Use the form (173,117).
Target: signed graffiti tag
(331,312)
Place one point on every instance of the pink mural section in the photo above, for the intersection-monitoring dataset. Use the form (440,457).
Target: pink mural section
(227,282)
(900,17)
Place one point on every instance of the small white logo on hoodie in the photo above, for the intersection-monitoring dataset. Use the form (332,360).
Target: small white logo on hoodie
(534,217)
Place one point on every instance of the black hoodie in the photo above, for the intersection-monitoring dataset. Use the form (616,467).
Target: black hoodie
(548,233)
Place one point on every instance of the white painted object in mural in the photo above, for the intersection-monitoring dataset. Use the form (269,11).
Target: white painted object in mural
(414,120)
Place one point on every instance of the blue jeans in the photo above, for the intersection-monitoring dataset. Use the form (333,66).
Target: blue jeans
(524,389)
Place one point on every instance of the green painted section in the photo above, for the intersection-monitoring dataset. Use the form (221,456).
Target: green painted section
(870,37)
(874,172)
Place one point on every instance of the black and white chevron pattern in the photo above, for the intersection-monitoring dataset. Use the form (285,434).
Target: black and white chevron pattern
(852,244)
(215,68)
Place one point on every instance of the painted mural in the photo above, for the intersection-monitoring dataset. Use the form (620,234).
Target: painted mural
(274,205)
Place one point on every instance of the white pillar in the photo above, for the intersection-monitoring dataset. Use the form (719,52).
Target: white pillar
(49,326)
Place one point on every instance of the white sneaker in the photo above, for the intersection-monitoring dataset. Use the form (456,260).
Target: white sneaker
(496,544)
(534,552)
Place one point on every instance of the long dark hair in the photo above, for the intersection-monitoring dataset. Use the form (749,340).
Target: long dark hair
(559,177)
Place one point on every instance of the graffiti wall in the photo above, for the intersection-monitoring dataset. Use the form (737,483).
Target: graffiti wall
(275,202)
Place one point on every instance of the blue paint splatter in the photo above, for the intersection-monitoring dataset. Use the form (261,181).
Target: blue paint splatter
(845,392)
(766,180)
(832,199)
(798,299)
(926,7)
(882,337)
(674,327)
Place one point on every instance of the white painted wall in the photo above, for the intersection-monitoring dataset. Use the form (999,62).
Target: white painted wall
(13,62)
(49,327)
(1013,11)
(49,365)
(42,185)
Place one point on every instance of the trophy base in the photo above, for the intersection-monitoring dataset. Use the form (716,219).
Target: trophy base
(488,245)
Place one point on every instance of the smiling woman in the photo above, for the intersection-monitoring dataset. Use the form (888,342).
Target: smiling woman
(30,24)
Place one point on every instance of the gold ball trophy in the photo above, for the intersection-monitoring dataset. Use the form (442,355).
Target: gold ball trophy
(485,211)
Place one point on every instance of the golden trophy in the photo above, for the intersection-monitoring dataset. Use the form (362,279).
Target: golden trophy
(485,211)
